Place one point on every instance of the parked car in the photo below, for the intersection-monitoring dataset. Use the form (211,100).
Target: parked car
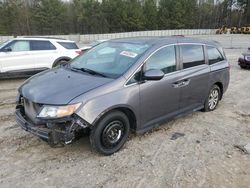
(31,55)
(91,45)
(122,85)
(244,60)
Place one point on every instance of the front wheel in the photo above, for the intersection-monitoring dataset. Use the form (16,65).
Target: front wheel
(213,98)
(110,133)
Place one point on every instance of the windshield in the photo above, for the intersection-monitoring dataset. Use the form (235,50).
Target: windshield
(111,59)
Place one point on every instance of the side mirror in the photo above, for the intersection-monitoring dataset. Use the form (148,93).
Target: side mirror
(8,49)
(153,74)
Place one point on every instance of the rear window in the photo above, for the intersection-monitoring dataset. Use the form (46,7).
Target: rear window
(41,45)
(68,45)
(192,55)
(214,56)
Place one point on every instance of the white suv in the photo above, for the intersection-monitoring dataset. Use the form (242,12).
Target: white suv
(31,55)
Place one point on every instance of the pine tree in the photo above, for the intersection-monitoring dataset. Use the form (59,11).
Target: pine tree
(49,16)
(150,13)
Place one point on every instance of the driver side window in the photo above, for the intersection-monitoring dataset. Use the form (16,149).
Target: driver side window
(164,59)
(19,46)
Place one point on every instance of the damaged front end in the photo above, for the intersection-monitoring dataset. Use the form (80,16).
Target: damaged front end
(54,131)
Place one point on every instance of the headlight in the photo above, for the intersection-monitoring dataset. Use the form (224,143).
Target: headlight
(58,111)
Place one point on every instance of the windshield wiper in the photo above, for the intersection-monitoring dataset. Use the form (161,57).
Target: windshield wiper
(92,72)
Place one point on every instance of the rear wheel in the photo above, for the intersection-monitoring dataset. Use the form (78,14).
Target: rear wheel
(213,98)
(60,62)
(110,133)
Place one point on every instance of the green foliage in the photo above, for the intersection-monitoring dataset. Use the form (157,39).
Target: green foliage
(150,15)
(246,10)
(45,17)
(49,16)
(12,19)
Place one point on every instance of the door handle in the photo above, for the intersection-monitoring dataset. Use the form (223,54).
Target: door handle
(176,84)
(185,82)
(181,83)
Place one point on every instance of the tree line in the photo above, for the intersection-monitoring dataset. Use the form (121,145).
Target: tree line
(47,17)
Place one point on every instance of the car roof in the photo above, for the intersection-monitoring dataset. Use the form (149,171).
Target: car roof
(166,40)
(44,38)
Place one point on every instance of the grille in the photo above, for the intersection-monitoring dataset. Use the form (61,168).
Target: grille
(31,110)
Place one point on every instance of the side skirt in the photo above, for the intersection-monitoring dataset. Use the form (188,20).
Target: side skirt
(21,73)
(162,120)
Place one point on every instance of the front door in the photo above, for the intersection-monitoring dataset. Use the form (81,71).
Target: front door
(17,58)
(160,99)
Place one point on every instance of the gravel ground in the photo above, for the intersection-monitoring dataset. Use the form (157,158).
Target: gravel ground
(204,156)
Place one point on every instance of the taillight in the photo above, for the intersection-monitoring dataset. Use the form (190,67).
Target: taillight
(79,52)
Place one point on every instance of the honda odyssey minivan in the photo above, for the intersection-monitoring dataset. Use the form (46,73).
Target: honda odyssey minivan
(123,85)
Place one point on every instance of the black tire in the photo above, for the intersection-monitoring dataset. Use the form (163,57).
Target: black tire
(60,62)
(213,98)
(243,66)
(110,133)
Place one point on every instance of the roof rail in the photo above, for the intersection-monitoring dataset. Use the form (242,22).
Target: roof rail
(44,37)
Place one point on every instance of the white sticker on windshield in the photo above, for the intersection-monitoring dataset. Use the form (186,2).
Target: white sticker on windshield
(129,54)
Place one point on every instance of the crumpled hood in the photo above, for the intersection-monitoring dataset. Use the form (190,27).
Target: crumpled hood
(59,86)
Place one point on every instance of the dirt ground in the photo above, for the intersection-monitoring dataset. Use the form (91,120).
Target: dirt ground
(204,157)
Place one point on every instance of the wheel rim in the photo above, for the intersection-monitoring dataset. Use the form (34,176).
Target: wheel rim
(213,99)
(113,134)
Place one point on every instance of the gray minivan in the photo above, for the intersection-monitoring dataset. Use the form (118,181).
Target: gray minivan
(123,85)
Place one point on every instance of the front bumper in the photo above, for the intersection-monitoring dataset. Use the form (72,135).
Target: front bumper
(53,133)
(41,132)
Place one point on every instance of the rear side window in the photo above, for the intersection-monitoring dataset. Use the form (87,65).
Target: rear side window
(192,55)
(68,45)
(41,45)
(164,59)
(214,56)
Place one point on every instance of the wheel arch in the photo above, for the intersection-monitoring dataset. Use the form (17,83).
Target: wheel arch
(60,59)
(220,85)
(133,120)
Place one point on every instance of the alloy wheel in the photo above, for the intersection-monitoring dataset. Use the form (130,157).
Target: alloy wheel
(213,99)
